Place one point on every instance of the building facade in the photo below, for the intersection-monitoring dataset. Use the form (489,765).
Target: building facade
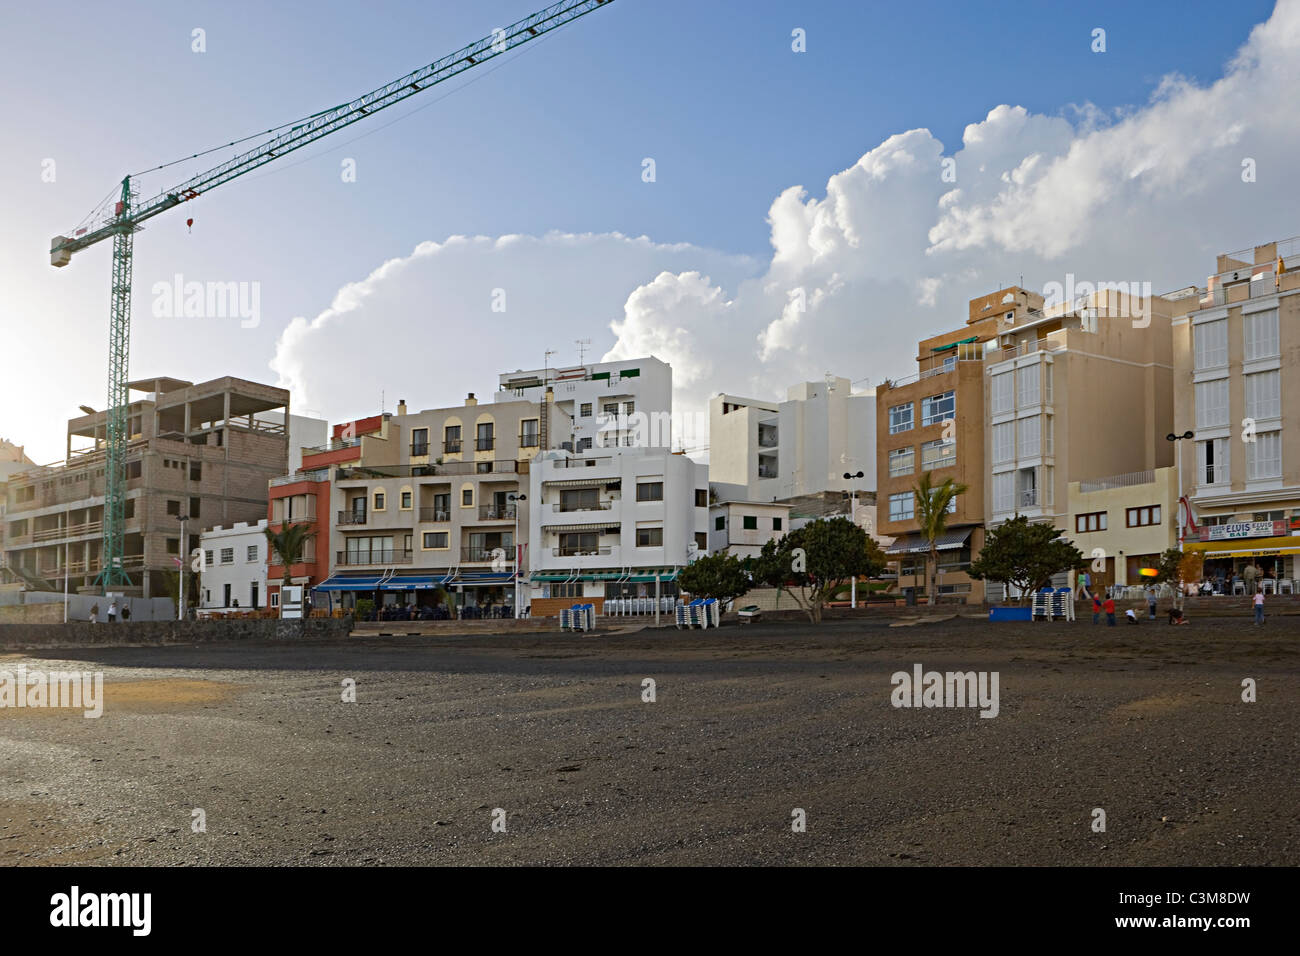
(234,571)
(1237,357)
(742,528)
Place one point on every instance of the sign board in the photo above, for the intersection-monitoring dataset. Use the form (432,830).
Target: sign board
(291,601)
(1245,529)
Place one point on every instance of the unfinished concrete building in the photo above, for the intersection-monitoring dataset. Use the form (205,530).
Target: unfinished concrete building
(203,453)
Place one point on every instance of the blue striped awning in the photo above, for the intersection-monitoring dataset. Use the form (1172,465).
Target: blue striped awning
(349,582)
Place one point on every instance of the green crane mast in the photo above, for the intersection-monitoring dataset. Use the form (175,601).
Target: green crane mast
(129,214)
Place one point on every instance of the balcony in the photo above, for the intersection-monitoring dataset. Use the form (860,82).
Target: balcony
(487,555)
(575,509)
(319,474)
(581,462)
(451,447)
(768,437)
(578,552)
(494,513)
(334,445)
(530,440)
(381,556)
(484,444)
(419,449)
(1029,498)
(435,515)
(351,517)
(362,473)
(70,531)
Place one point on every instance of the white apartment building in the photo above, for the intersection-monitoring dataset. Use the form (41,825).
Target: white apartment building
(609,525)
(234,573)
(772,451)
(624,403)
(743,527)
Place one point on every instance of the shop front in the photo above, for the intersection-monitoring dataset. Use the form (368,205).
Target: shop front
(1231,549)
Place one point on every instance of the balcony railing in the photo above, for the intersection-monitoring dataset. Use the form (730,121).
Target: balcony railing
(419,449)
(494,513)
(576,509)
(319,474)
(578,552)
(767,473)
(383,556)
(482,555)
(530,440)
(351,517)
(1029,498)
(363,472)
(484,444)
(435,514)
(333,445)
(590,462)
(451,447)
(767,439)
(70,531)
(1126,480)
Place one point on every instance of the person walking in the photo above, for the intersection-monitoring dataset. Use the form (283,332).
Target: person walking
(94,614)
(1248,575)
(1151,602)
(126,612)
(1259,607)
(1109,608)
(112,611)
(1084,581)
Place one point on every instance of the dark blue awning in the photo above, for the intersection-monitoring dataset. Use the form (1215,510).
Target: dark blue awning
(413,582)
(346,582)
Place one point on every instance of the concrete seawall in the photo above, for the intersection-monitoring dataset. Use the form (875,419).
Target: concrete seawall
(149,633)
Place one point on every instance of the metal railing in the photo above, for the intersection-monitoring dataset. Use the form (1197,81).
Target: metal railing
(1029,498)
(317,474)
(419,449)
(474,555)
(493,513)
(383,556)
(1126,480)
(363,472)
(435,514)
(530,440)
(484,444)
(578,552)
(598,506)
(351,517)
(333,445)
(452,447)
(589,462)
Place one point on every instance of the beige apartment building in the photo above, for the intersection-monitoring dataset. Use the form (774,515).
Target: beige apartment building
(1081,394)
(428,510)
(1237,359)
(202,452)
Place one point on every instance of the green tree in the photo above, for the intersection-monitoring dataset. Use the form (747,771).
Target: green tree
(722,576)
(812,563)
(932,515)
(289,543)
(1024,555)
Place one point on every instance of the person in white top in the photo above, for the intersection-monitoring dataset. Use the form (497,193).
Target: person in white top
(1259,607)
(112,612)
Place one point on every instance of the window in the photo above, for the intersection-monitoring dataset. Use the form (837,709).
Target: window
(701,497)
(577,543)
(1092,521)
(900,506)
(1004,442)
(938,408)
(1212,459)
(227,555)
(275,599)
(580,499)
(1142,517)
(1004,492)
(207,559)
(406,501)
(529,433)
(566,589)
(629,408)
(196,471)
(173,507)
(1263,394)
(610,409)
(584,444)
(419,442)
(251,553)
(650,491)
(1212,403)
(1261,339)
(749,522)
(1030,433)
(380,498)
(130,508)
(173,545)
(901,461)
(776,524)
(195,504)
(701,541)
(467,497)
(649,537)
(1268,516)
(938,454)
(900,418)
(451,439)
(1003,392)
(720,523)
(1027,386)
(133,470)
(584,410)
(435,540)
(1211,344)
(486,440)
(1264,456)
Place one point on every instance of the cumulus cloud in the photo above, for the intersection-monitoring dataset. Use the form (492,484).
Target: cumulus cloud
(888,252)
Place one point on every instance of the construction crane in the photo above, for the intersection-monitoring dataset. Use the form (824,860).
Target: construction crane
(129,215)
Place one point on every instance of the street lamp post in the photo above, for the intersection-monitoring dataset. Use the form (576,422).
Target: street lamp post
(853,511)
(184,552)
(516,498)
(1178,466)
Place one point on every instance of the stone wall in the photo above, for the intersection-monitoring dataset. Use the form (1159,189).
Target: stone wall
(85,634)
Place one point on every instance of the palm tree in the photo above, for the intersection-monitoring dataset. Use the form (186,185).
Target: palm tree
(932,503)
(289,543)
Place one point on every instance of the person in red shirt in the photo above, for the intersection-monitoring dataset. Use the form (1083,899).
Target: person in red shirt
(1109,608)
(1096,609)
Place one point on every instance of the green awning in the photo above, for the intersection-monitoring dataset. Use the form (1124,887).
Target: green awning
(950,347)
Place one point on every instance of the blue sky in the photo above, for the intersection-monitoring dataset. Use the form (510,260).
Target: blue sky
(552,142)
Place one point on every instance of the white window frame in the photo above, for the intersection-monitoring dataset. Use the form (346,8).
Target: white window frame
(897,423)
(1263,391)
(897,457)
(1212,400)
(1256,345)
(1263,467)
(1210,344)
